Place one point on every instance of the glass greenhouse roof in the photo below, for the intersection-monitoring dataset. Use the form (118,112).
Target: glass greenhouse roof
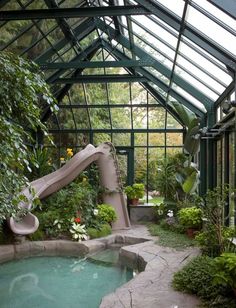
(115,66)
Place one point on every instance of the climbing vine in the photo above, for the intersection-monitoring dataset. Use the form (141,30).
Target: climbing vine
(22,90)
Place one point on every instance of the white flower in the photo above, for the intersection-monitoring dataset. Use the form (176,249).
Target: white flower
(170,213)
(95,212)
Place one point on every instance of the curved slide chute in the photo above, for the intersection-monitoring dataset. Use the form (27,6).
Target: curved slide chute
(106,159)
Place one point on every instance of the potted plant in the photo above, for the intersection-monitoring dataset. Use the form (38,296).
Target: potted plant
(191,219)
(135,192)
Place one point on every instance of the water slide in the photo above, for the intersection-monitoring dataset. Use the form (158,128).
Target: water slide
(105,157)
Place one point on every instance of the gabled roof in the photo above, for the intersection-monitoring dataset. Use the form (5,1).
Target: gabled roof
(178,50)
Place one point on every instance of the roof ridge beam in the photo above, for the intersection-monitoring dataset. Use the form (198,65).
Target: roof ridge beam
(100,79)
(53,13)
(94,64)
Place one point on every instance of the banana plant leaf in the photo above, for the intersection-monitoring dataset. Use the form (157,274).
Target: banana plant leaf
(188,178)
(191,183)
(188,117)
(191,142)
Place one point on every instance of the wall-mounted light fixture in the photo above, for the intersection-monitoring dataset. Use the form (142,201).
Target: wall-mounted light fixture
(227,105)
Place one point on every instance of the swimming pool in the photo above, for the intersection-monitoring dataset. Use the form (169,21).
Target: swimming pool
(61,282)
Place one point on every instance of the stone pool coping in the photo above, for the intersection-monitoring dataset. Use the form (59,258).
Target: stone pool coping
(151,288)
(63,247)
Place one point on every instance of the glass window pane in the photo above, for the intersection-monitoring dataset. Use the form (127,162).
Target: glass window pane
(217,13)
(156,117)
(119,93)
(99,118)
(96,93)
(155,28)
(174,139)
(140,139)
(200,74)
(121,117)
(203,62)
(139,117)
(212,29)
(140,165)
(189,97)
(81,118)
(176,6)
(121,139)
(156,139)
(154,156)
(68,139)
(139,94)
(52,122)
(173,151)
(100,138)
(65,118)
(172,122)
(197,84)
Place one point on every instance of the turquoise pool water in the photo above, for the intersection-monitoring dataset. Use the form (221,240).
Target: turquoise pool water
(60,282)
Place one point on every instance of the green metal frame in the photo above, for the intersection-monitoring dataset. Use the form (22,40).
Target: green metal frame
(104,29)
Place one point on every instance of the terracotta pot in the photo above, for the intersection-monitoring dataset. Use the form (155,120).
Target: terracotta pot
(191,233)
(134,201)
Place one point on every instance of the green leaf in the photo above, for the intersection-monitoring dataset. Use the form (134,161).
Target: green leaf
(190,184)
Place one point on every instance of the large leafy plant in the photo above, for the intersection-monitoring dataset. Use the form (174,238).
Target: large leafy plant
(188,176)
(225,270)
(21,89)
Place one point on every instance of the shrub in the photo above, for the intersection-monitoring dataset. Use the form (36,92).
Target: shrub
(196,278)
(215,239)
(39,235)
(225,267)
(190,217)
(106,213)
(209,241)
(104,230)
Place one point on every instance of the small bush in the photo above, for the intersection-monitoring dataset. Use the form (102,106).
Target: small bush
(39,235)
(106,213)
(225,270)
(197,278)
(104,230)
(209,241)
